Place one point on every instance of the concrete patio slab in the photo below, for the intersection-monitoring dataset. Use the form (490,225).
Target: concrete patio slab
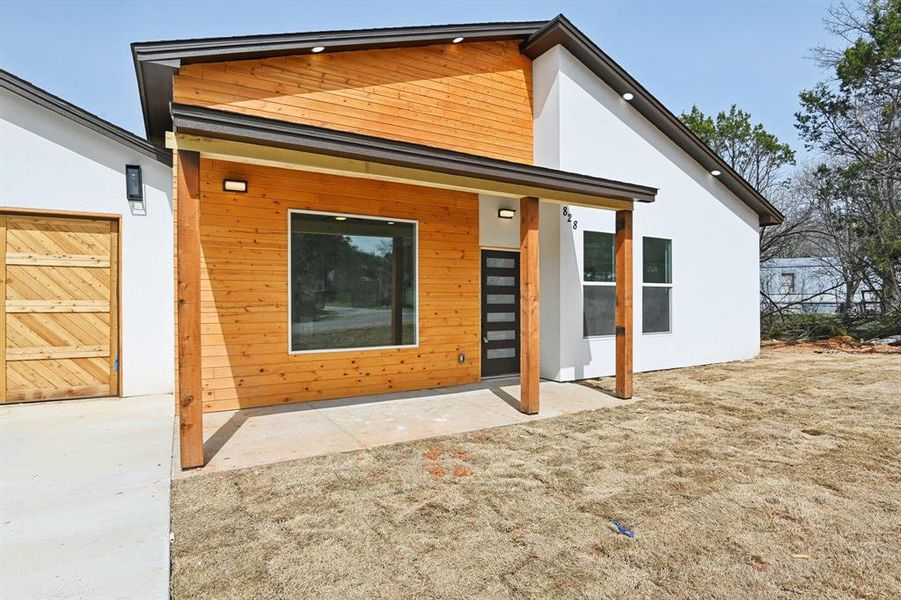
(85,502)
(258,436)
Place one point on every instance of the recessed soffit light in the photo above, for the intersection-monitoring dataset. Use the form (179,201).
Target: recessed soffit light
(628,96)
(317,49)
(716,172)
(340,218)
(457,40)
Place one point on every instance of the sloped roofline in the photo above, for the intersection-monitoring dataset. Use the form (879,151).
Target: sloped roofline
(45,99)
(156,63)
(560,31)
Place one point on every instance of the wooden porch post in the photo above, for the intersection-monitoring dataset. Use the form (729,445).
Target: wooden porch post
(528,308)
(623,316)
(190,410)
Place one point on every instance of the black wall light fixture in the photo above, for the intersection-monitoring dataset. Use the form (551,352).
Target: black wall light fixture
(506,213)
(134,187)
(234,185)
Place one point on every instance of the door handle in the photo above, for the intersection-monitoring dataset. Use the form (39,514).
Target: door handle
(484,340)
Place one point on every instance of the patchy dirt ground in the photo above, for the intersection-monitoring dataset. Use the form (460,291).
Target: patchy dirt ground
(844,343)
(775,477)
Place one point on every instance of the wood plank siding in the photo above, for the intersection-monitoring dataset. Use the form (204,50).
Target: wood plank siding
(244,289)
(471,97)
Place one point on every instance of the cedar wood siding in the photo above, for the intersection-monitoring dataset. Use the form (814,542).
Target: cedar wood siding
(470,97)
(244,289)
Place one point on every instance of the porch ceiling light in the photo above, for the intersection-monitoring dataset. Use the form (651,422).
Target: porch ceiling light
(457,40)
(340,218)
(506,213)
(716,172)
(628,96)
(317,49)
(234,185)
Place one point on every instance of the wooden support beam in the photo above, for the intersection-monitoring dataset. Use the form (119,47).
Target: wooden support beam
(623,316)
(190,410)
(528,307)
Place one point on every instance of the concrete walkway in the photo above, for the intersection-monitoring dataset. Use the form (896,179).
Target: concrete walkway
(258,436)
(85,498)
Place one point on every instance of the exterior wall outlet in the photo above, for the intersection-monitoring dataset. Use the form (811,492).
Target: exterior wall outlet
(462,358)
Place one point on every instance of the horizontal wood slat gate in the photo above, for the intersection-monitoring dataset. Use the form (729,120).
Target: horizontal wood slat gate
(59,323)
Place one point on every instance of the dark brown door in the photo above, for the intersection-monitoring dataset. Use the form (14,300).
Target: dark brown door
(500,313)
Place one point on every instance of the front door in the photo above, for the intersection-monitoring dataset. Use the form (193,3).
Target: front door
(500,313)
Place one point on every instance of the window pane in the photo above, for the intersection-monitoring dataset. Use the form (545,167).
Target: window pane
(599,256)
(501,263)
(599,308)
(501,317)
(496,336)
(501,353)
(787,283)
(496,280)
(501,298)
(353,282)
(657,260)
(655,309)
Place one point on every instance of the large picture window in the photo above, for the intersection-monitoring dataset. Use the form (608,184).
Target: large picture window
(657,286)
(598,283)
(352,282)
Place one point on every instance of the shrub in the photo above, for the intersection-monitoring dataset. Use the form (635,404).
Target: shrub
(880,327)
(800,326)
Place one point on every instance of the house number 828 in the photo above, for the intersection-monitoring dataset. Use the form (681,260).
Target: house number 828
(569,217)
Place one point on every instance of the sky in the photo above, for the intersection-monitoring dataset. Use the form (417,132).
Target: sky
(755,54)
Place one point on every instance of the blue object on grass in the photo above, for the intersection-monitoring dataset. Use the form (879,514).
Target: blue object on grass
(629,533)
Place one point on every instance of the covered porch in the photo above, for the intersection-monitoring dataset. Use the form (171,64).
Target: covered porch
(260,436)
(213,135)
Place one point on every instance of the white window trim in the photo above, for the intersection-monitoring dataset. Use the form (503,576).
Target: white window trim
(415,280)
(599,336)
(659,285)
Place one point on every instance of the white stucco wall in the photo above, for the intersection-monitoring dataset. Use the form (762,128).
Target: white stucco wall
(49,162)
(495,232)
(582,125)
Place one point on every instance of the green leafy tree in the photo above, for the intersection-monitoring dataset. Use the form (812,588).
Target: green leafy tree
(854,122)
(759,157)
(755,153)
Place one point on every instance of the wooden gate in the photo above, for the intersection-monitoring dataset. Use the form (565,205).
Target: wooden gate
(60,323)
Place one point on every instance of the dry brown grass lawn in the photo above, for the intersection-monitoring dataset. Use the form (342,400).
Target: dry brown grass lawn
(774,477)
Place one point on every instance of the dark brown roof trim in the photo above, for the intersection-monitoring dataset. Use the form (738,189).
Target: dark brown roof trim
(45,99)
(208,122)
(281,44)
(156,62)
(560,31)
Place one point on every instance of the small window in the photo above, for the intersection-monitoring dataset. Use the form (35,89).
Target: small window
(352,282)
(598,284)
(787,283)
(658,262)
(657,288)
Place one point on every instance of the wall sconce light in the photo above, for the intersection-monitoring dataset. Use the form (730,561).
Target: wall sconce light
(234,185)
(506,213)
(134,188)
